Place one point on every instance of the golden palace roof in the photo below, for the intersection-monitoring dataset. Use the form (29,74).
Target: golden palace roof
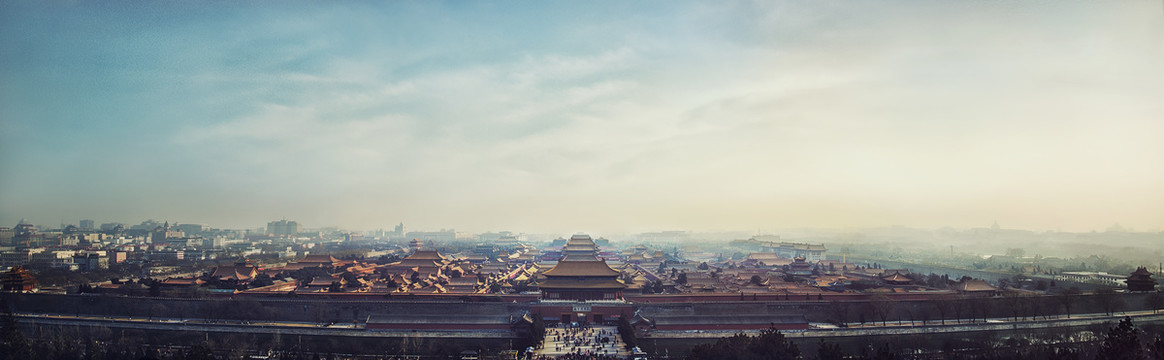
(581,266)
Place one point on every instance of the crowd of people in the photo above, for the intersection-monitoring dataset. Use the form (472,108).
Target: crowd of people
(581,342)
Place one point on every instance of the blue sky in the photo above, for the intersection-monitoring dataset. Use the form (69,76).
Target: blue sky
(609,116)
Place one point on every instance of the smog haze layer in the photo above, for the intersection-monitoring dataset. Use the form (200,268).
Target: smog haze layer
(557,117)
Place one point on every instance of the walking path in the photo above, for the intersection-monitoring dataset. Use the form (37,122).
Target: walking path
(590,342)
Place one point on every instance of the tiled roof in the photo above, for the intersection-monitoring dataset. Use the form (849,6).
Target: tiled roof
(318,259)
(579,266)
(974,285)
(418,262)
(426,254)
(234,272)
(897,277)
(569,283)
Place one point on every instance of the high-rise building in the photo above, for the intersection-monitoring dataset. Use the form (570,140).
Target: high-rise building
(283,228)
(87,224)
(398,231)
(6,235)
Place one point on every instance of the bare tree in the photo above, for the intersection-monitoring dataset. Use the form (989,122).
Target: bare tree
(944,307)
(925,311)
(982,307)
(1108,300)
(840,312)
(909,310)
(1013,304)
(881,307)
(1155,301)
(961,307)
(1068,298)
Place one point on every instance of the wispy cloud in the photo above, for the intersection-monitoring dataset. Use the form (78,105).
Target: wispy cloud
(745,115)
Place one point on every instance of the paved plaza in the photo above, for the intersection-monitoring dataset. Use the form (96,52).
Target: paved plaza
(562,341)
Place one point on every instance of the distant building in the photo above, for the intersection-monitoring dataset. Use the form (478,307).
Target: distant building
(147,225)
(444,235)
(87,225)
(242,271)
(113,226)
(665,236)
(57,259)
(216,242)
(18,257)
(789,250)
(810,252)
(25,233)
(91,261)
(1141,280)
(191,229)
(168,255)
(581,277)
(504,239)
(1091,277)
(6,235)
(18,280)
(558,243)
(319,260)
(975,287)
(602,242)
(581,245)
(165,232)
(424,258)
(398,231)
(897,278)
(799,267)
(283,228)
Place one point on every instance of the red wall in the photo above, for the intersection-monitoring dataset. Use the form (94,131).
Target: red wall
(733,327)
(373,326)
(824,297)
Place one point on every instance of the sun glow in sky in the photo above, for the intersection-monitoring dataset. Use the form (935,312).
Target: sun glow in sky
(564,116)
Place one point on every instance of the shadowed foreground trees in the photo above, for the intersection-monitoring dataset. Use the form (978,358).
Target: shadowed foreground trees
(626,332)
(1108,300)
(1122,341)
(769,344)
(13,345)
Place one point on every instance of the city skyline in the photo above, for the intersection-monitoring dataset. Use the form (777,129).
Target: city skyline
(152,223)
(617,118)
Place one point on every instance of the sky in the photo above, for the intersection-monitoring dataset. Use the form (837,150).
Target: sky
(585,116)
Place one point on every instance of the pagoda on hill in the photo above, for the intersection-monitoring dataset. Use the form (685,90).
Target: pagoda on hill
(1141,280)
(580,277)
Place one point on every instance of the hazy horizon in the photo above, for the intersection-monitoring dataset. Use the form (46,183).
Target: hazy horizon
(611,117)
